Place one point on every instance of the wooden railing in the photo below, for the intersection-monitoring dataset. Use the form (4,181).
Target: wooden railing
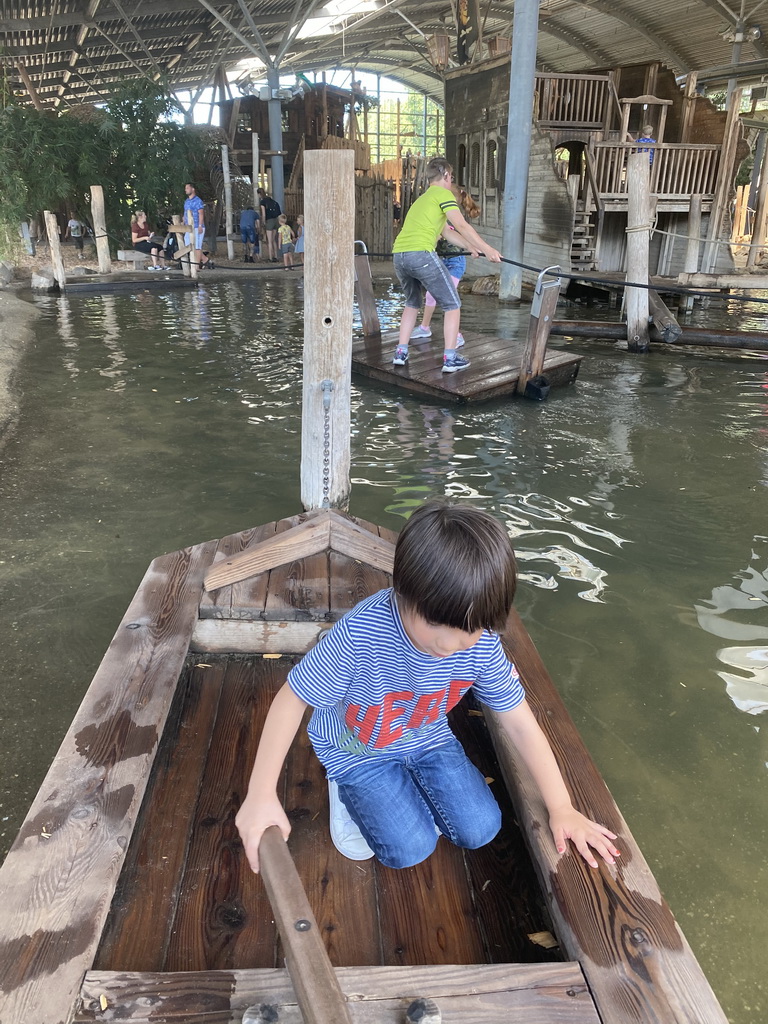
(572,101)
(678,170)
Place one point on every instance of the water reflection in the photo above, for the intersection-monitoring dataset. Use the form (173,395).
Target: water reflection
(737,612)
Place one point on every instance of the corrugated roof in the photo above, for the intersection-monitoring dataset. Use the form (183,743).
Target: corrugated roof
(77,51)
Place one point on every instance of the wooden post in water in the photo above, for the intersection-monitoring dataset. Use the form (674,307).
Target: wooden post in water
(228,224)
(100,229)
(638,240)
(539,326)
(329,281)
(758,228)
(691,265)
(52,230)
(366,300)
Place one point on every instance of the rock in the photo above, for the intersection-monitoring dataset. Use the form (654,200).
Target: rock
(81,271)
(6,273)
(486,285)
(43,279)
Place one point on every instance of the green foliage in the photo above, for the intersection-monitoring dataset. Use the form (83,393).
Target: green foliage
(49,160)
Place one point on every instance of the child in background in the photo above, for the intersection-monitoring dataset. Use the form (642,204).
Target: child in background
(285,237)
(381,683)
(299,247)
(450,252)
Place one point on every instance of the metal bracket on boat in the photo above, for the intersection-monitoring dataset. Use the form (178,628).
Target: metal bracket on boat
(361,243)
(327,386)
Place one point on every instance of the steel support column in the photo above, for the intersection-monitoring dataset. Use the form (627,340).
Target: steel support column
(274,109)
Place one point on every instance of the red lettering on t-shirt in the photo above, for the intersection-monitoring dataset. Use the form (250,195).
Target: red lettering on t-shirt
(456,690)
(390,713)
(427,709)
(365,724)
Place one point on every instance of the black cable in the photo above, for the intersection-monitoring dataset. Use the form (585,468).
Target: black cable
(618,285)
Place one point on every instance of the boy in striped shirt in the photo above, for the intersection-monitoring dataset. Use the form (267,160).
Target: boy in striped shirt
(381,684)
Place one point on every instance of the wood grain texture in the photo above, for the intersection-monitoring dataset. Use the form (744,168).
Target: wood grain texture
(476,994)
(614,920)
(217,604)
(317,989)
(137,931)
(239,636)
(341,892)
(58,880)
(299,586)
(223,917)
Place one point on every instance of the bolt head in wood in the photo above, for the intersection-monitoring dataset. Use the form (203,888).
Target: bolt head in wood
(423,1011)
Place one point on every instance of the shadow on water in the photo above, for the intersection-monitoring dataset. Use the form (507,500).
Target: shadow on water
(634,499)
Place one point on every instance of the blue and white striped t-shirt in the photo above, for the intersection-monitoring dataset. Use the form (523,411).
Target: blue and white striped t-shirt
(375,694)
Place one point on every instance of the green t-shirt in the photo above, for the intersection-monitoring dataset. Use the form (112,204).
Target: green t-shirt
(425,220)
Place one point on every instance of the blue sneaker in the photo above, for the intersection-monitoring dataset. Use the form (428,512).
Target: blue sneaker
(401,356)
(454,362)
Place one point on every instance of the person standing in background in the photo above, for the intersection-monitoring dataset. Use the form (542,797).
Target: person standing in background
(193,215)
(270,211)
(248,221)
(299,247)
(76,231)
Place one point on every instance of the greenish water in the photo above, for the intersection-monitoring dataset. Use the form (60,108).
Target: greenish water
(636,499)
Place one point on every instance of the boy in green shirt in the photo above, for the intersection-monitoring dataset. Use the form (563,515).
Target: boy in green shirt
(419,267)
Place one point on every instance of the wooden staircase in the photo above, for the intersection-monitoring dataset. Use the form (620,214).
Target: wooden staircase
(583,242)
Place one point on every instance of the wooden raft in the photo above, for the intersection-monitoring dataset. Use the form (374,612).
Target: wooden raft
(493,373)
(166,921)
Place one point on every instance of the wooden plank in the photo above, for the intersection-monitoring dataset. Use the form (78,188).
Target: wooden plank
(347,538)
(317,988)
(240,636)
(341,892)
(223,918)
(217,604)
(59,877)
(351,582)
(308,538)
(638,236)
(614,920)
(505,890)
(299,588)
(535,351)
(250,595)
(135,937)
(479,994)
(426,912)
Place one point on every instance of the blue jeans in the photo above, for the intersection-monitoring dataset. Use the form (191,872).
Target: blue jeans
(397,801)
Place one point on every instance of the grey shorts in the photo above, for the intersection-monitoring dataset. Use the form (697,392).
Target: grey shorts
(425,271)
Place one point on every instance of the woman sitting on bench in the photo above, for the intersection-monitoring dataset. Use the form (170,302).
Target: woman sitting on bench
(141,237)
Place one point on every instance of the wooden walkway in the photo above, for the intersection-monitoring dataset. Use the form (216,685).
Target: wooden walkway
(493,373)
(133,281)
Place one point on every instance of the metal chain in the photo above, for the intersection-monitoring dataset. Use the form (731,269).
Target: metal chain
(327,387)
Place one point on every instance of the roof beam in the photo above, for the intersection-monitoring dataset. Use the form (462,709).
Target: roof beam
(575,40)
(664,49)
(724,10)
(90,11)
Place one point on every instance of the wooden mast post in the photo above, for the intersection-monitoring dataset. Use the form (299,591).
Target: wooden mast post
(638,239)
(255,171)
(542,314)
(100,229)
(329,281)
(691,265)
(52,230)
(228,226)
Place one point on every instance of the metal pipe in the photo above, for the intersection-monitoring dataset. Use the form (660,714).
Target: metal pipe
(522,80)
(275,114)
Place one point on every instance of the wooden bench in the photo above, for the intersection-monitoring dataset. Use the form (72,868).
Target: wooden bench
(138,259)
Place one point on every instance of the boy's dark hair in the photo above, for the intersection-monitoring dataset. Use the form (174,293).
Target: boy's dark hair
(437,167)
(454,566)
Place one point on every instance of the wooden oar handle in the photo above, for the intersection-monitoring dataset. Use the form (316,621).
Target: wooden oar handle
(318,993)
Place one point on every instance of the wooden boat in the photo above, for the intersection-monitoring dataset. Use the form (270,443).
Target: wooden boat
(127,897)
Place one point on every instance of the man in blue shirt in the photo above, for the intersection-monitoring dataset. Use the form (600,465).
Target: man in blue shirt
(193,216)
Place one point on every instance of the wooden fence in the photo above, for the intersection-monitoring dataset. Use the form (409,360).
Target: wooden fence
(573,101)
(373,212)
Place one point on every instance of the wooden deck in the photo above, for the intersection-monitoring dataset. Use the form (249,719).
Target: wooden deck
(493,373)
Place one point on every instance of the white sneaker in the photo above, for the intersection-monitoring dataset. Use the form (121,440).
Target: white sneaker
(346,836)
(459,340)
(421,332)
